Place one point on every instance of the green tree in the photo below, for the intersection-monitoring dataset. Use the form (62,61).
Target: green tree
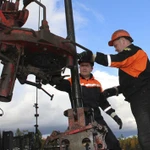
(19,133)
(130,143)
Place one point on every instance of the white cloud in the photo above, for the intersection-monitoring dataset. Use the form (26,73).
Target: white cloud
(106,79)
(54,16)
(81,7)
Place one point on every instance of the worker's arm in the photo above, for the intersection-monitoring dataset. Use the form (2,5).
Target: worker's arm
(64,85)
(113,91)
(106,107)
(60,83)
(120,60)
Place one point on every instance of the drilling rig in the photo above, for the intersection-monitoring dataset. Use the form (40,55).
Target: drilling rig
(24,51)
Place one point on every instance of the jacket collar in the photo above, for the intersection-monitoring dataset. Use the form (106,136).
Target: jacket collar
(91,76)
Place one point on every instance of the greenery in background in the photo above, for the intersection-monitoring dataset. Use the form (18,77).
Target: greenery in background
(37,138)
(130,143)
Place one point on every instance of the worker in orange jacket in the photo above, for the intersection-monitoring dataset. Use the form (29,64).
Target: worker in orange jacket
(92,98)
(134,78)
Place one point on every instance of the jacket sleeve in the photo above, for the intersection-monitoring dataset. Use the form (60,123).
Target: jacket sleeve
(101,59)
(113,91)
(105,106)
(64,86)
(122,59)
(103,103)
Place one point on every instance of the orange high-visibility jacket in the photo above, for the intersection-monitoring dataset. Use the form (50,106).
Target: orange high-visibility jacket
(91,92)
(134,68)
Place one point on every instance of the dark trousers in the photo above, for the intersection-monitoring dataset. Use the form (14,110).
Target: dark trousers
(140,107)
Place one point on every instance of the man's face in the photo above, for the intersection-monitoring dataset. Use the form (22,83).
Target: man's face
(85,69)
(119,45)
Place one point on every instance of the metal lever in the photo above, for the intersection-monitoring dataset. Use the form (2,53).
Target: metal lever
(70,41)
(51,96)
(39,86)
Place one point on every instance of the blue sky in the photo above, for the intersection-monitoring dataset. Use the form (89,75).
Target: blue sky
(94,22)
(102,18)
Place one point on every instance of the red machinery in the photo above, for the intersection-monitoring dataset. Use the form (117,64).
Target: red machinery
(24,51)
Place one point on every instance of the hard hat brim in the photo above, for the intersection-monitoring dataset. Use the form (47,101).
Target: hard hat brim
(110,43)
(92,63)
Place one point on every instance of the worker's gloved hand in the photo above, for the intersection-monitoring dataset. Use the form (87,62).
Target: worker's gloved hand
(118,120)
(87,54)
(112,113)
(111,92)
(56,79)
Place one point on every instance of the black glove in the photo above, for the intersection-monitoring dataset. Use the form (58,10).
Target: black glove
(56,79)
(118,120)
(87,54)
(112,113)
(111,92)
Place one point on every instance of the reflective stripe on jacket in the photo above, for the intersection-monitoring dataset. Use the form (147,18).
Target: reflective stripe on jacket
(134,68)
(91,93)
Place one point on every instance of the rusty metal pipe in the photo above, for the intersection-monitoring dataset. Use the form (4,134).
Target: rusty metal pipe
(44,9)
(76,88)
